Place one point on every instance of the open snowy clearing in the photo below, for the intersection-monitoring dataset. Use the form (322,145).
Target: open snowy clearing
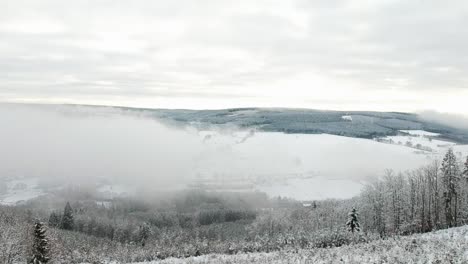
(445,246)
(425,143)
(420,133)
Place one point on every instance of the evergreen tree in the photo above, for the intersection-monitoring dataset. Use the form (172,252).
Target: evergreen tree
(40,246)
(67,218)
(450,177)
(465,171)
(54,220)
(353,223)
(143,234)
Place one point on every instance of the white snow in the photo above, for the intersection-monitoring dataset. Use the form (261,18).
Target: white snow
(445,246)
(306,167)
(20,190)
(106,204)
(420,133)
(424,141)
(347,117)
(300,166)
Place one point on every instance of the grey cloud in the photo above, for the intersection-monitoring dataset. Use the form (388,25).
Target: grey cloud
(81,143)
(453,120)
(222,48)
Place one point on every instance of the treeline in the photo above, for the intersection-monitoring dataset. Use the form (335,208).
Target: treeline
(426,199)
(133,221)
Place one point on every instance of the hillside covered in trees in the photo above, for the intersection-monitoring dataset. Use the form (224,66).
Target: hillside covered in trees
(361,124)
(80,228)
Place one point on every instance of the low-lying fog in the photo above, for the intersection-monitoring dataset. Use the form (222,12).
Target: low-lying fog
(79,144)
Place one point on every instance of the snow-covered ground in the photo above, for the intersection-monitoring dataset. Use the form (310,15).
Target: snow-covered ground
(20,190)
(23,189)
(445,246)
(426,142)
(420,133)
(306,167)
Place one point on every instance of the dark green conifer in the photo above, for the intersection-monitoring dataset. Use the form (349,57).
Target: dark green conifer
(353,223)
(67,218)
(40,245)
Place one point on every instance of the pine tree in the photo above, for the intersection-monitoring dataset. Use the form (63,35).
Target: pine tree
(54,220)
(450,177)
(67,218)
(40,245)
(353,223)
(143,234)
(465,171)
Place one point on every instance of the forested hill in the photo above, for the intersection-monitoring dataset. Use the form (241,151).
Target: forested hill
(362,124)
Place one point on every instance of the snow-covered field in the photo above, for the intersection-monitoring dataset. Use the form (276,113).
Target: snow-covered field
(427,143)
(420,133)
(306,167)
(19,190)
(23,189)
(445,246)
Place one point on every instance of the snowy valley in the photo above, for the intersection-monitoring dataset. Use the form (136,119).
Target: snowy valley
(106,185)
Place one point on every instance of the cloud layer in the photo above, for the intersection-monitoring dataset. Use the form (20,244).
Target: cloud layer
(83,145)
(376,55)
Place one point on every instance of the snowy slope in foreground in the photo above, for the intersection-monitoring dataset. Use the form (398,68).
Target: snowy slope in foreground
(445,246)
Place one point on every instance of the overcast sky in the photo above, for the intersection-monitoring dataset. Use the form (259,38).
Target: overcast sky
(331,54)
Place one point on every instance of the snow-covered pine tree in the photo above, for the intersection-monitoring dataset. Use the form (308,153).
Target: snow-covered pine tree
(40,248)
(143,234)
(353,223)
(450,179)
(464,191)
(54,220)
(465,171)
(67,218)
